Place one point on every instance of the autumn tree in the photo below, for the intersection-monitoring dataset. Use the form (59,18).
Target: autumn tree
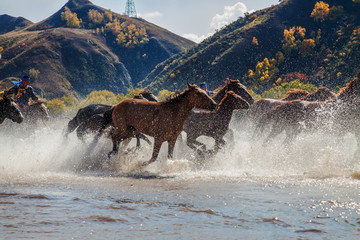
(255,41)
(321,11)
(70,18)
(108,15)
(306,47)
(1,50)
(95,16)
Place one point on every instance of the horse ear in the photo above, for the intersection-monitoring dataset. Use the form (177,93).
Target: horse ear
(190,85)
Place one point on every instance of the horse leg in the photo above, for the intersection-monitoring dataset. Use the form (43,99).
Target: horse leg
(129,132)
(80,131)
(143,137)
(171,146)
(157,146)
(219,143)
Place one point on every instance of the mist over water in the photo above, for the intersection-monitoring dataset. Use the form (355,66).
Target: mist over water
(51,189)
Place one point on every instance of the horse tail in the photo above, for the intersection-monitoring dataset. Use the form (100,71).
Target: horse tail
(107,121)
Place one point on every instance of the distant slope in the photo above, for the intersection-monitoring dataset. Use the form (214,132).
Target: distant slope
(9,23)
(232,52)
(74,61)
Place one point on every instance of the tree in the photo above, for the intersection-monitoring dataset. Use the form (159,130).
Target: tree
(56,106)
(70,18)
(164,94)
(321,11)
(306,47)
(95,16)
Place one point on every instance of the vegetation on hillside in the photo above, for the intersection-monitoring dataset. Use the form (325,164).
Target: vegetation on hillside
(316,42)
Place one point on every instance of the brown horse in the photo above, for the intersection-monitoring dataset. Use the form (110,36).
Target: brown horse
(9,109)
(237,88)
(162,120)
(213,124)
(262,106)
(295,116)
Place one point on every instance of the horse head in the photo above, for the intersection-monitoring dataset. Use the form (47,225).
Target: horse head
(233,101)
(149,95)
(199,98)
(9,109)
(239,89)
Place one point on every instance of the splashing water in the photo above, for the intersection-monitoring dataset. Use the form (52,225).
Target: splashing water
(50,189)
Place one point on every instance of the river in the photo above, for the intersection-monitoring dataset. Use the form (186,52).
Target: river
(49,189)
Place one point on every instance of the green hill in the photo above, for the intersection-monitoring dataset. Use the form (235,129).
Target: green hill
(75,60)
(272,46)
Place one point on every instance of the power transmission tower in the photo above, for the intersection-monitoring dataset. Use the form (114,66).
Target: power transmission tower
(130,8)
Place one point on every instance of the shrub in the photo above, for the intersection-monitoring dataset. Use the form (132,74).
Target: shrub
(321,11)
(279,91)
(70,18)
(56,106)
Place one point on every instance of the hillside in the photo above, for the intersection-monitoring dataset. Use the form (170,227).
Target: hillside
(272,46)
(9,23)
(75,60)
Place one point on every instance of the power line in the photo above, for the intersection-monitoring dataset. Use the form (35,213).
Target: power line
(130,8)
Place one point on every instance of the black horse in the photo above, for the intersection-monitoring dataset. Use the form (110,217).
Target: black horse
(94,117)
(9,109)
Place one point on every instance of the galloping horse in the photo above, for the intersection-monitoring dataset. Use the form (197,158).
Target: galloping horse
(237,88)
(264,105)
(292,117)
(213,124)
(162,120)
(92,118)
(9,109)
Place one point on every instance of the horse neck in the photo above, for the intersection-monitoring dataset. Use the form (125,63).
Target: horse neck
(225,111)
(181,107)
(2,110)
(220,95)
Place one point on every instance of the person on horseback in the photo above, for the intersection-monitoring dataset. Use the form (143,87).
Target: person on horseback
(203,86)
(22,93)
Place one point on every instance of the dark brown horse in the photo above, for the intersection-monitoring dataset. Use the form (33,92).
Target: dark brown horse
(9,109)
(237,88)
(162,120)
(92,118)
(213,124)
(295,116)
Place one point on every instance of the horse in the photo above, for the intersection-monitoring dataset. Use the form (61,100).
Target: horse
(9,109)
(162,120)
(213,124)
(295,116)
(237,88)
(92,118)
(35,112)
(264,105)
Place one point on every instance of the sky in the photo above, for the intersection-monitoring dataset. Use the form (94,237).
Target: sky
(192,19)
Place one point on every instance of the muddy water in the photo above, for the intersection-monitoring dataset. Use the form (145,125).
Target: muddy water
(49,189)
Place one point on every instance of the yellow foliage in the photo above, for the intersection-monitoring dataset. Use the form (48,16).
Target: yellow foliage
(172,75)
(70,18)
(95,16)
(56,106)
(108,15)
(321,11)
(255,41)
(100,97)
(127,35)
(164,94)
(133,92)
(1,49)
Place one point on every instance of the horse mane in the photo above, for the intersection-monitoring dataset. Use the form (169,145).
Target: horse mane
(295,94)
(177,97)
(322,94)
(350,87)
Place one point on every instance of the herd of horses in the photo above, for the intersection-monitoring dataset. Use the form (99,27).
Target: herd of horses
(144,116)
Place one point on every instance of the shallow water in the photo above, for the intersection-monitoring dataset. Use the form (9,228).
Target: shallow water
(49,189)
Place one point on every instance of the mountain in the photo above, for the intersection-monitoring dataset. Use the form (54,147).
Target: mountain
(319,43)
(75,60)
(9,23)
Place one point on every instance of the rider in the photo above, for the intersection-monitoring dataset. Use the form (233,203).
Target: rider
(22,93)
(203,86)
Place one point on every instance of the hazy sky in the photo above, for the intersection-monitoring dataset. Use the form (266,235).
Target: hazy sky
(193,19)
